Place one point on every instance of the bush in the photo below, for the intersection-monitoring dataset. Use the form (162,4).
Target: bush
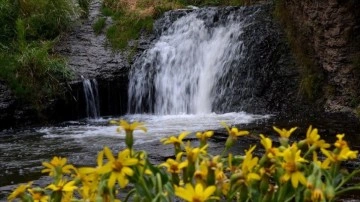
(280,173)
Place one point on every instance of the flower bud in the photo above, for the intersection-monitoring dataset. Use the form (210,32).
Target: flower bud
(329,192)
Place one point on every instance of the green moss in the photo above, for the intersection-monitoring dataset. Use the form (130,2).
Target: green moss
(99,25)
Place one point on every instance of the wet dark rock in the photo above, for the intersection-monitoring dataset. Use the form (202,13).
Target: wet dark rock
(91,57)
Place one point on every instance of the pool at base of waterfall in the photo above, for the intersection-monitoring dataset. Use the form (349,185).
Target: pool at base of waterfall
(23,151)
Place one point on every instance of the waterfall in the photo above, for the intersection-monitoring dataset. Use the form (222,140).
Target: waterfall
(91,98)
(182,71)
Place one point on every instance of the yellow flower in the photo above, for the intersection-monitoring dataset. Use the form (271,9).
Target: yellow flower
(344,154)
(19,191)
(57,164)
(248,165)
(174,166)
(317,195)
(291,159)
(222,182)
(234,132)
(204,136)
(63,186)
(38,195)
(193,153)
(231,167)
(129,127)
(177,141)
(340,143)
(199,194)
(283,132)
(267,143)
(323,165)
(313,138)
(89,170)
(119,168)
(201,172)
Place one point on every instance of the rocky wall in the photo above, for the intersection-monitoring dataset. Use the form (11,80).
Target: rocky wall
(331,28)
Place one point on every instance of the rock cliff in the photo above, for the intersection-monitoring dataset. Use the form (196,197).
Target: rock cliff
(331,28)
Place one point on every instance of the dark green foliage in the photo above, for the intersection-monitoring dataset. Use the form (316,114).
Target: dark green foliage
(8,17)
(84,5)
(127,28)
(99,25)
(28,31)
(46,19)
(33,74)
(106,11)
(215,2)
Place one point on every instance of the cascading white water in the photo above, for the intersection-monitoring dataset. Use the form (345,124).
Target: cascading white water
(178,75)
(91,98)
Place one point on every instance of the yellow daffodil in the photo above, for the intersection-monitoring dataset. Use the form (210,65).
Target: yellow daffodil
(119,168)
(291,160)
(197,194)
(63,186)
(38,195)
(340,143)
(19,191)
(283,132)
(57,164)
(267,143)
(313,138)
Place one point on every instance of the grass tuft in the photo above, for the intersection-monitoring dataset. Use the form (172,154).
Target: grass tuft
(99,25)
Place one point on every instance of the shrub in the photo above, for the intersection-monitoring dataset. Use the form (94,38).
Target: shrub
(290,171)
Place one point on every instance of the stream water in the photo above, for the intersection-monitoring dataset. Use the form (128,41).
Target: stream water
(186,75)
(23,151)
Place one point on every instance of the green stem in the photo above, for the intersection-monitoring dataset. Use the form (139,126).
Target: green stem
(129,194)
(346,190)
(347,178)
